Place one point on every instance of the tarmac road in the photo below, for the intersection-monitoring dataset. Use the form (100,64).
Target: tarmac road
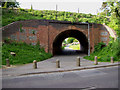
(86,79)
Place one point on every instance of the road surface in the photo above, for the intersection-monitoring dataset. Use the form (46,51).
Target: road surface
(87,79)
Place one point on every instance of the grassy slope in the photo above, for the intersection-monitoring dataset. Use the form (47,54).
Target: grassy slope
(24,53)
(9,16)
(75,47)
(104,54)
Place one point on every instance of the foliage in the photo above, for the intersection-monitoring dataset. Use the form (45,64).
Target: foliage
(24,53)
(99,46)
(75,47)
(64,42)
(75,40)
(12,15)
(21,30)
(111,10)
(63,47)
(104,54)
(5,5)
(10,4)
(110,7)
(70,40)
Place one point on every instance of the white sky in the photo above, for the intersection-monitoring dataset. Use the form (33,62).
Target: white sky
(85,6)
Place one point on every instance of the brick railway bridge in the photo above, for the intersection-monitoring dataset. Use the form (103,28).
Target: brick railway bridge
(51,33)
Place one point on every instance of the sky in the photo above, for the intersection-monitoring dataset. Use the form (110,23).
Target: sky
(85,6)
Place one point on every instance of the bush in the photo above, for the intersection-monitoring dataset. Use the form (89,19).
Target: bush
(105,53)
(70,40)
(99,46)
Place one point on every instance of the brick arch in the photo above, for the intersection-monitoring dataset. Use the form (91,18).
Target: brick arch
(80,36)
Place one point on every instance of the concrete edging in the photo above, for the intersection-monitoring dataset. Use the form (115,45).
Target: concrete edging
(74,69)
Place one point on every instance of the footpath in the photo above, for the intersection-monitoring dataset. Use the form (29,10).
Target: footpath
(67,63)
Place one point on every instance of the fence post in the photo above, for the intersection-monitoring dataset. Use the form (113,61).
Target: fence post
(112,60)
(78,61)
(7,63)
(57,63)
(35,64)
(95,61)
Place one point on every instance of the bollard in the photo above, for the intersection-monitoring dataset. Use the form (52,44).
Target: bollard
(95,61)
(57,63)
(112,60)
(78,61)
(35,64)
(7,63)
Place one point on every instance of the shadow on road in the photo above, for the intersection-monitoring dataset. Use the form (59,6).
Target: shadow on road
(71,52)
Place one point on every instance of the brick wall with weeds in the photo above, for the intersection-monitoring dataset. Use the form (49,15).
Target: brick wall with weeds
(24,53)
(104,53)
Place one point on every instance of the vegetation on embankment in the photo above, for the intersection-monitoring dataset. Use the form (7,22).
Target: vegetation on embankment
(75,47)
(104,53)
(111,10)
(12,15)
(24,53)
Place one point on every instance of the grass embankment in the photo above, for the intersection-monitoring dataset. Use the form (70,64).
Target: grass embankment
(105,53)
(75,47)
(24,53)
(9,16)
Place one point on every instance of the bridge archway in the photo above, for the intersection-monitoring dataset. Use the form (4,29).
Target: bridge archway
(80,36)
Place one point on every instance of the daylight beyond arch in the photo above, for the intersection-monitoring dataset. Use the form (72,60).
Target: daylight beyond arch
(70,33)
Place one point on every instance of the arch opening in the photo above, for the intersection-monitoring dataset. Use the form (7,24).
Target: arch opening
(71,46)
(57,44)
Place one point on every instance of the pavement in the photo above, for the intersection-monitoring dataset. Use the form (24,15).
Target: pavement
(67,63)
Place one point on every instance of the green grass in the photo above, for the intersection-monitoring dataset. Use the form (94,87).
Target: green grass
(24,53)
(75,47)
(104,54)
(9,16)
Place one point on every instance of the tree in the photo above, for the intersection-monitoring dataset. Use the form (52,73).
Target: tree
(111,7)
(5,5)
(117,9)
(114,9)
(75,40)
(10,4)
(64,42)
(70,40)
